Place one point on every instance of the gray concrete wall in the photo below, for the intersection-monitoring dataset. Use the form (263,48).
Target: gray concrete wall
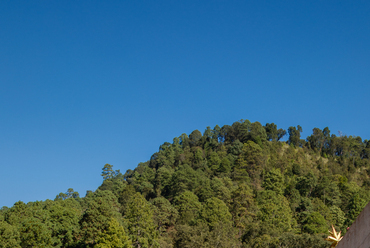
(358,235)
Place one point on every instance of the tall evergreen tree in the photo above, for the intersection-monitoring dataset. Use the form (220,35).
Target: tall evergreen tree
(140,224)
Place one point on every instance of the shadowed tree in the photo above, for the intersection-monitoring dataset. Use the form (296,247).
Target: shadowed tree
(194,137)
(272,133)
(295,135)
(314,223)
(34,233)
(188,207)
(243,207)
(250,162)
(214,211)
(257,133)
(275,212)
(165,215)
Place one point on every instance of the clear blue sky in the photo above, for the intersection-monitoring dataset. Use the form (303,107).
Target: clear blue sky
(84,83)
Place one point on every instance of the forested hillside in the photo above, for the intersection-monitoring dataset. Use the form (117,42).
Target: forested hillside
(232,186)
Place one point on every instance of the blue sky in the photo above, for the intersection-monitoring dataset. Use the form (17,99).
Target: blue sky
(85,83)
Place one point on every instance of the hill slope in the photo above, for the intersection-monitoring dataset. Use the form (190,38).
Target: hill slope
(235,186)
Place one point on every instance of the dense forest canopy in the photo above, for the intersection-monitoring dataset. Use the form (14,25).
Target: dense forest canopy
(232,186)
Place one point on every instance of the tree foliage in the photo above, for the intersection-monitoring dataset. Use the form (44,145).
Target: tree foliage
(238,185)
